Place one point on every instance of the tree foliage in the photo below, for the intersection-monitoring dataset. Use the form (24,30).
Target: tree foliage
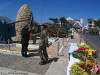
(63,21)
(97,23)
(55,20)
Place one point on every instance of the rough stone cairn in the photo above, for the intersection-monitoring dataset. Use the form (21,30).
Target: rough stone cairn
(23,13)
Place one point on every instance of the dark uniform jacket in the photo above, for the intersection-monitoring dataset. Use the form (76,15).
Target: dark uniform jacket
(25,35)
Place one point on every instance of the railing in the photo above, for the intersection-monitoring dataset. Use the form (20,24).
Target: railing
(60,47)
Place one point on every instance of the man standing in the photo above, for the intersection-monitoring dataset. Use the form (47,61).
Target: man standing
(43,45)
(25,40)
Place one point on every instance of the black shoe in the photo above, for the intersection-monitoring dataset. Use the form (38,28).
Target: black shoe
(42,63)
(47,61)
(25,55)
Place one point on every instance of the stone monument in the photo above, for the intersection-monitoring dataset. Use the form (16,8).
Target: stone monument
(23,13)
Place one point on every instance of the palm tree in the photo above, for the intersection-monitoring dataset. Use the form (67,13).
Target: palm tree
(63,21)
(55,20)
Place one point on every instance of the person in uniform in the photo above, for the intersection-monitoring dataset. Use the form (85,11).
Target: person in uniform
(24,40)
(42,46)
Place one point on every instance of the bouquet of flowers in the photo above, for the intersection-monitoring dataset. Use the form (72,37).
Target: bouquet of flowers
(76,69)
(88,62)
(97,69)
(84,46)
(77,55)
(85,73)
(91,52)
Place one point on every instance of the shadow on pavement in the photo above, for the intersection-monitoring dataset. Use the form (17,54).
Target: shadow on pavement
(53,59)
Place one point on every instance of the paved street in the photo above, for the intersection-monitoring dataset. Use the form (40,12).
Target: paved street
(94,39)
(20,63)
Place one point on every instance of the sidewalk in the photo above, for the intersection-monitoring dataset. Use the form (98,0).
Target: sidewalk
(60,67)
(30,66)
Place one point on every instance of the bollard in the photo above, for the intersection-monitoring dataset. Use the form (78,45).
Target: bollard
(8,44)
(67,39)
(58,44)
(63,46)
(63,41)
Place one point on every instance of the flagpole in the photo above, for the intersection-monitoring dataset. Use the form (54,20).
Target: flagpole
(41,11)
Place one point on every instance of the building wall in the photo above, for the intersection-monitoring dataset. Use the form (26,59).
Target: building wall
(91,23)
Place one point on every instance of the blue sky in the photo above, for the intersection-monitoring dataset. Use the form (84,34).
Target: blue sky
(53,8)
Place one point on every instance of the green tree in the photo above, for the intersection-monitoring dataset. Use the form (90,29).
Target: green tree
(63,21)
(97,23)
(55,20)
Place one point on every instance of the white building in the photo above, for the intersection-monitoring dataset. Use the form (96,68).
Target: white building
(91,23)
(69,18)
(76,22)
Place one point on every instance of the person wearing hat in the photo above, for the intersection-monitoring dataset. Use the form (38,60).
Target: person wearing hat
(43,45)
